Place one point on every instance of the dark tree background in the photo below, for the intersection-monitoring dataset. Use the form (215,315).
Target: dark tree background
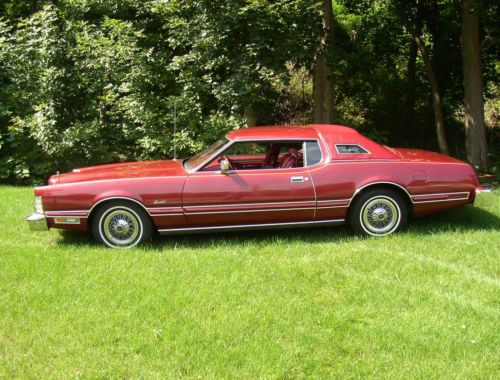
(94,81)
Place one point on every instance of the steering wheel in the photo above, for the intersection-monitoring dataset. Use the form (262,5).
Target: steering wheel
(231,163)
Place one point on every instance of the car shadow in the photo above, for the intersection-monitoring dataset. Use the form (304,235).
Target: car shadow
(468,218)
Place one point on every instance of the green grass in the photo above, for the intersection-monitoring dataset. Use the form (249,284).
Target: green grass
(309,303)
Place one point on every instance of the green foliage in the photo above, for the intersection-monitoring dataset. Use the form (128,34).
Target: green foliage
(91,81)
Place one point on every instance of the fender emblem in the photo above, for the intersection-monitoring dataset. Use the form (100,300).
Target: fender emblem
(159,201)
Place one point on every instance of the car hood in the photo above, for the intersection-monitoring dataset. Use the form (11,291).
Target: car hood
(121,171)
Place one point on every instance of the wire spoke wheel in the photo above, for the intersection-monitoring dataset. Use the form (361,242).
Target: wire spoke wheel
(120,227)
(379,215)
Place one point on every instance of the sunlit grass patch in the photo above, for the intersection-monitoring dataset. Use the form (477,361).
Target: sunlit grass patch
(281,304)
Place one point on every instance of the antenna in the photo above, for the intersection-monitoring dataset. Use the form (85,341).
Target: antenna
(175,130)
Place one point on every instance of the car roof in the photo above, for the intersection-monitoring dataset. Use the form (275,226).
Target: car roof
(331,134)
(287,132)
(273,133)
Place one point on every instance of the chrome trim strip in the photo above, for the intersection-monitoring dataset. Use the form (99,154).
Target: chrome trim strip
(243,211)
(335,200)
(66,216)
(163,208)
(438,194)
(325,207)
(248,204)
(249,226)
(304,154)
(442,200)
(171,214)
(68,211)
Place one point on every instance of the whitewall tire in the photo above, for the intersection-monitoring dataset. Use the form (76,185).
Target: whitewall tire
(121,224)
(378,212)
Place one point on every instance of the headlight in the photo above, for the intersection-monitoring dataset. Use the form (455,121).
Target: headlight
(38,205)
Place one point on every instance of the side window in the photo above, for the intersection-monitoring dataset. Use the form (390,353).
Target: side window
(256,155)
(247,149)
(350,149)
(313,153)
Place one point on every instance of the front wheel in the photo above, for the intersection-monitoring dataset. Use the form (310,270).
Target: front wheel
(378,213)
(120,224)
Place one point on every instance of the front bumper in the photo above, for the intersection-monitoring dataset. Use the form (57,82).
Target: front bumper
(484,197)
(37,222)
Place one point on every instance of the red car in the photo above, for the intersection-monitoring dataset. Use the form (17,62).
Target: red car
(258,178)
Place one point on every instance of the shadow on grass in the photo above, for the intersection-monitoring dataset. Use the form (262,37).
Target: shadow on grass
(465,219)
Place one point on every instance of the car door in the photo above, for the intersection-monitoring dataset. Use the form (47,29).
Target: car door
(249,196)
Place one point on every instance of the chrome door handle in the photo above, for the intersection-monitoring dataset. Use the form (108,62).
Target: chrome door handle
(297,179)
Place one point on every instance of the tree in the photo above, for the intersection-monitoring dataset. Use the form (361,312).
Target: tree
(403,11)
(475,134)
(322,72)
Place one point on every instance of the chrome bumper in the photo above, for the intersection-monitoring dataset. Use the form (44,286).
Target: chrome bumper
(37,222)
(484,197)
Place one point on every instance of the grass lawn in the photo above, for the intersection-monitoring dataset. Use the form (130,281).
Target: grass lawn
(285,304)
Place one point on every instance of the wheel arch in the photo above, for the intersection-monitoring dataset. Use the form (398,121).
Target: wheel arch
(109,199)
(383,185)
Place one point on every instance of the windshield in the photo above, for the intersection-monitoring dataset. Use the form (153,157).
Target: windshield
(204,155)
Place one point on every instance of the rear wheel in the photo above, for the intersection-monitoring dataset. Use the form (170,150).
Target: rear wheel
(121,224)
(378,212)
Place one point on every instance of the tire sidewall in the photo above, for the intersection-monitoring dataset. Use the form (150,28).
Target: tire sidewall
(356,214)
(145,225)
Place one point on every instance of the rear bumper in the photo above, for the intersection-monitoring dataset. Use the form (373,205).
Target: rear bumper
(37,222)
(484,197)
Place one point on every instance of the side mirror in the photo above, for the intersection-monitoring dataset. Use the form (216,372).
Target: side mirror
(224,166)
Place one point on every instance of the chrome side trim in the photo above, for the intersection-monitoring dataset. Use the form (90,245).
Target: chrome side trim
(66,216)
(249,204)
(250,226)
(325,207)
(168,214)
(334,200)
(441,200)
(424,197)
(438,194)
(245,211)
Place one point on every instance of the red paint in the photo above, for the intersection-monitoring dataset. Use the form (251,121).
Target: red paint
(176,198)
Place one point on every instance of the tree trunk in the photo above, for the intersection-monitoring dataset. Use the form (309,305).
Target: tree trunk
(411,69)
(436,95)
(475,133)
(250,116)
(322,85)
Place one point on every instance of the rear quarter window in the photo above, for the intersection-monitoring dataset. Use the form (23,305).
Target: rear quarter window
(350,149)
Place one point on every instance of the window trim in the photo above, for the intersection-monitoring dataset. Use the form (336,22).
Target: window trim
(231,142)
(366,151)
(304,149)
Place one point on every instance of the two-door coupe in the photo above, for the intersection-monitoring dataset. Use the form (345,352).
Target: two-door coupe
(258,178)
